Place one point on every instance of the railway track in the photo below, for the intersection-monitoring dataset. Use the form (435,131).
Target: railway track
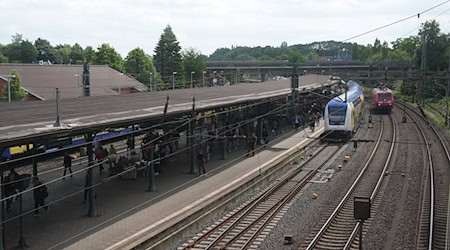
(434,216)
(242,229)
(339,229)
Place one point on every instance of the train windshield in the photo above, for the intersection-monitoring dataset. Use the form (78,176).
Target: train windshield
(337,115)
(385,95)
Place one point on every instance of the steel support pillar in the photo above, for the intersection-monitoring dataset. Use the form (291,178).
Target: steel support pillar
(151,173)
(92,212)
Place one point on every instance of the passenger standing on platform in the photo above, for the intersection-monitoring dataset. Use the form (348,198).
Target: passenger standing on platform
(14,180)
(265,136)
(208,152)
(162,155)
(275,128)
(201,163)
(112,156)
(297,121)
(67,164)
(40,193)
(9,191)
(252,144)
(130,144)
(311,121)
(100,156)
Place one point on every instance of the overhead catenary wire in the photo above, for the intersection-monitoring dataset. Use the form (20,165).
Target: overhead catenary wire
(418,23)
(398,21)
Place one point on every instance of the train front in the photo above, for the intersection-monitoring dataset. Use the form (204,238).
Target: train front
(383,100)
(336,118)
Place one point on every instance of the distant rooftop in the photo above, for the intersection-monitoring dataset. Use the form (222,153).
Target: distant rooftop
(41,80)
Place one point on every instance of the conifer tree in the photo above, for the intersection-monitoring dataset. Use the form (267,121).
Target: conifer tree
(167,57)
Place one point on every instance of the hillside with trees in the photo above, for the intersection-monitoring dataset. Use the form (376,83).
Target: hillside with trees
(169,57)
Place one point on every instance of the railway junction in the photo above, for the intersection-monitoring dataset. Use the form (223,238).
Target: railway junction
(296,192)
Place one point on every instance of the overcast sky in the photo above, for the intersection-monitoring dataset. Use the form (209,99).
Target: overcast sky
(210,24)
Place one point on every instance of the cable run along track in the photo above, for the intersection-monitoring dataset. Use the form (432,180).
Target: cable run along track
(339,229)
(241,229)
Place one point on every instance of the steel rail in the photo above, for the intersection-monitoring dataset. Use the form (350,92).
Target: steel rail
(377,187)
(245,208)
(347,195)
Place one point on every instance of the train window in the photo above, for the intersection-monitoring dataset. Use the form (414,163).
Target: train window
(385,95)
(337,115)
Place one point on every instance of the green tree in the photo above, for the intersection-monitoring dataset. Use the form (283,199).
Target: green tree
(244,57)
(107,55)
(293,56)
(46,52)
(13,50)
(436,46)
(312,56)
(139,65)
(409,45)
(63,53)
(19,50)
(193,61)
(17,93)
(3,58)
(77,54)
(265,58)
(167,58)
(28,52)
(89,54)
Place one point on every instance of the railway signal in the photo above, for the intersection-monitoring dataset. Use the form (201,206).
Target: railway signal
(361,212)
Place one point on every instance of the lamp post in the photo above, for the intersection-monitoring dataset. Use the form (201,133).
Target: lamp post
(192,74)
(77,84)
(173,80)
(9,85)
(203,79)
(150,82)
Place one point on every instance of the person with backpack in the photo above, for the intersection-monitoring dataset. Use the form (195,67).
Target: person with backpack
(40,193)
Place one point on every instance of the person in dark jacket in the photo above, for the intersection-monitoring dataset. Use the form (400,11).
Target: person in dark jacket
(67,164)
(201,162)
(9,191)
(40,193)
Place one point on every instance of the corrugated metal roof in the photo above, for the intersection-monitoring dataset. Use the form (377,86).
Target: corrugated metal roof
(42,80)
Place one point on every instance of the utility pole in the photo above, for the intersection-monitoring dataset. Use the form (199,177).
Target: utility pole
(423,68)
(86,80)
(58,110)
(446,92)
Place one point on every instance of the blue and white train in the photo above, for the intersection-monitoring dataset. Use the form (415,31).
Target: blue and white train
(344,113)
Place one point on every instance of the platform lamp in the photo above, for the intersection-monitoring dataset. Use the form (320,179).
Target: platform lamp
(77,84)
(192,74)
(173,80)
(150,83)
(203,79)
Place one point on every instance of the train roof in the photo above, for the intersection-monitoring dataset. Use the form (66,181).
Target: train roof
(381,90)
(353,93)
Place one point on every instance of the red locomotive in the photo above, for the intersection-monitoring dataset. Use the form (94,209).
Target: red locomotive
(382,99)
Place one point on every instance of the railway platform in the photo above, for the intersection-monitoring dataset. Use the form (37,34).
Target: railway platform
(126,210)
